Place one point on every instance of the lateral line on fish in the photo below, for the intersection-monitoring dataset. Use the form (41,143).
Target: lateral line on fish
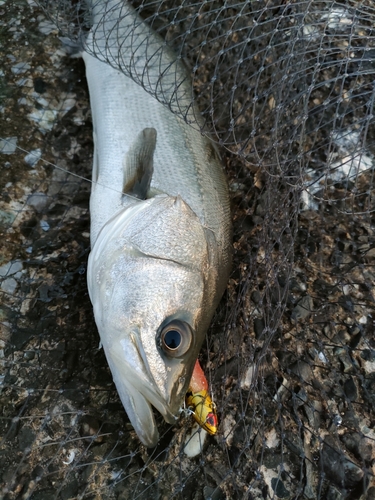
(78,176)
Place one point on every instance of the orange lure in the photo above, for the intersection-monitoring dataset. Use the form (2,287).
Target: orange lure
(200,402)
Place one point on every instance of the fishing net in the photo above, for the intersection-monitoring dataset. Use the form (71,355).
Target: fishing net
(286,89)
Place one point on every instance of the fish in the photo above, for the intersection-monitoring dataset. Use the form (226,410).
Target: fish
(160,230)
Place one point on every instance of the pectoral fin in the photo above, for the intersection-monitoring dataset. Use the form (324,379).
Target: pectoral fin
(139,164)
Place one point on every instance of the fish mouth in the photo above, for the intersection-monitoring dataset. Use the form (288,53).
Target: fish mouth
(138,390)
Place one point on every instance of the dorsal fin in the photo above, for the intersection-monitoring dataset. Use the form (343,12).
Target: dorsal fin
(139,164)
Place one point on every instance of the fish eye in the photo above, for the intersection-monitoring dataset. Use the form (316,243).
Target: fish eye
(176,338)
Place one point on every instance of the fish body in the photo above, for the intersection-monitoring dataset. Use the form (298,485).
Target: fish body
(160,223)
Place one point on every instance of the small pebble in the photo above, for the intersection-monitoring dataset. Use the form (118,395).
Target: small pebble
(322,357)
(337,420)
(338,468)
(44,118)
(258,327)
(303,309)
(20,67)
(44,225)
(279,488)
(33,157)
(302,370)
(248,377)
(8,145)
(9,286)
(350,389)
(10,268)
(228,427)
(46,27)
(368,354)
(38,201)
(359,445)
(272,438)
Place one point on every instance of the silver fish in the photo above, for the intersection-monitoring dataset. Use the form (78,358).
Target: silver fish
(160,221)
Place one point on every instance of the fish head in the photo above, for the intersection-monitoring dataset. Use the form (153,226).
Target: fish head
(150,278)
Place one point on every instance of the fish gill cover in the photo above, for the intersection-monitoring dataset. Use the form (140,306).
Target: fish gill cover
(286,89)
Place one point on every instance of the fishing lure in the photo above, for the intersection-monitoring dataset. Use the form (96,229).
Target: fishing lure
(200,402)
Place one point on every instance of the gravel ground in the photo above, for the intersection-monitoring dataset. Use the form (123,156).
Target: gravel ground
(290,355)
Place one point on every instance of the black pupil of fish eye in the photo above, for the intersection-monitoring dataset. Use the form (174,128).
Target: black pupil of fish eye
(172,339)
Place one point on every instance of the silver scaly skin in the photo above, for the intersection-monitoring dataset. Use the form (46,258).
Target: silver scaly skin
(160,225)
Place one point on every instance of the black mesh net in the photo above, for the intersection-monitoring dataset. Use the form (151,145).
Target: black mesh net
(287,90)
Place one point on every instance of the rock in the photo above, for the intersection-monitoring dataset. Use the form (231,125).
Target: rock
(303,309)
(258,327)
(336,420)
(353,474)
(294,443)
(277,295)
(33,157)
(210,493)
(45,119)
(39,201)
(296,286)
(358,445)
(322,357)
(355,340)
(302,369)
(8,145)
(10,268)
(368,354)
(70,490)
(47,27)
(9,286)
(350,419)
(350,389)
(44,225)
(279,488)
(90,426)
(313,412)
(29,355)
(344,357)
(256,297)
(370,494)
(20,68)
(46,494)
(248,377)
(334,494)
(26,437)
(272,439)
(300,398)
(6,219)
(40,85)
(341,471)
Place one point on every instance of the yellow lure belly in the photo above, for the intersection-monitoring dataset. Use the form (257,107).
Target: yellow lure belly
(200,403)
